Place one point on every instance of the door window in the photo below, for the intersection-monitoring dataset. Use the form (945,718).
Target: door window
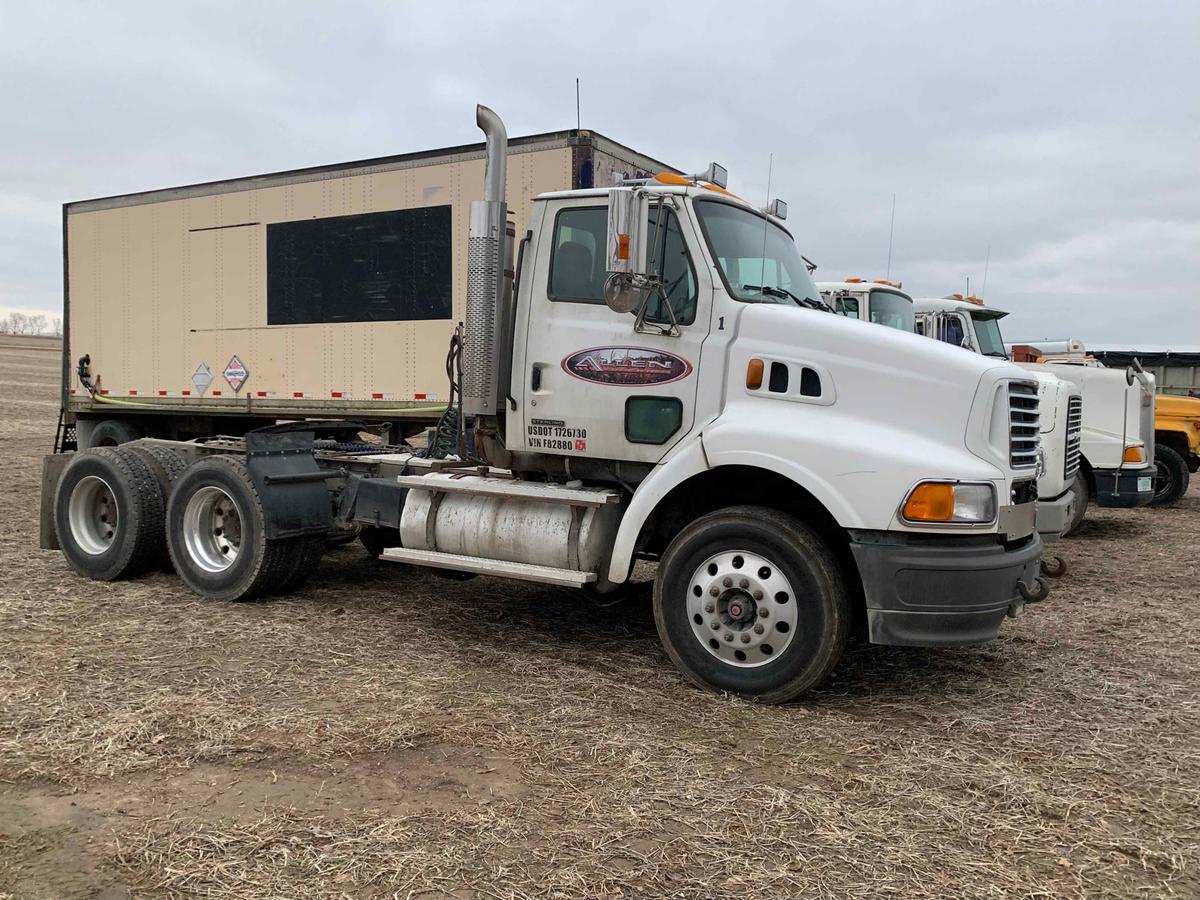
(576,261)
(577,272)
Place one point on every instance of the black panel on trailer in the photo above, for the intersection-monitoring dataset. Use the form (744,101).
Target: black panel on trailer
(373,267)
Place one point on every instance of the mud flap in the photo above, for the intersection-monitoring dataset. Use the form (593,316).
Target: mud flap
(52,469)
(291,485)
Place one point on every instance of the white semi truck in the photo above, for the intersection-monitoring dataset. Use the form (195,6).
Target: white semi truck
(645,383)
(1116,464)
(1060,401)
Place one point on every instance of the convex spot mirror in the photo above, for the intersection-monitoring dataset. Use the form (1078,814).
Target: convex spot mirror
(628,226)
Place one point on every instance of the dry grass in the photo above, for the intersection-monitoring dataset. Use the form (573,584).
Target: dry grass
(386,733)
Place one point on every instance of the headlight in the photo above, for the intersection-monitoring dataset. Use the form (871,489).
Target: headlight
(941,502)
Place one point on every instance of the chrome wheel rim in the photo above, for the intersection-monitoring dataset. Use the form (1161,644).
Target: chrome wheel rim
(93,515)
(212,529)
(742,608)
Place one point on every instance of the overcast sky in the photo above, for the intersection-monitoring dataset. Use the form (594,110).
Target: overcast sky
(1064,136)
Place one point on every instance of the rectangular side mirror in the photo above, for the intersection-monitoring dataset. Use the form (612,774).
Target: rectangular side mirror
(628,217)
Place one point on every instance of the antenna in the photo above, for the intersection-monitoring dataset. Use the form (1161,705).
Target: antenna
(891,234)
(577,119)
(762,278)
(986,262)
(968,285)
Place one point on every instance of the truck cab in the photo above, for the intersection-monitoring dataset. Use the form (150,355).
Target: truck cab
(1060,400)
(1117,440)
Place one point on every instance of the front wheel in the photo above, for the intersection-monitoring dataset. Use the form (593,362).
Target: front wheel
(1171,476)
(1079,487)
(751,601)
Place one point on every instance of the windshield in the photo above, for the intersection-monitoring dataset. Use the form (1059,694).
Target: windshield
(891,309)
(987,332)
(758,259)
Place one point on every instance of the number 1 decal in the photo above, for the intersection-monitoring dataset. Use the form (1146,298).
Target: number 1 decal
(721,323)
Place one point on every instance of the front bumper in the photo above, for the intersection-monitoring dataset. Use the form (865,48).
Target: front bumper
(935,591)
(1053,516)
(1124,488)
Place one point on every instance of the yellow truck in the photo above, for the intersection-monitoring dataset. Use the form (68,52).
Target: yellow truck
(1176,445)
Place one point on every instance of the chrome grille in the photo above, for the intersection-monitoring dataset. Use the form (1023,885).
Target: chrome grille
(1074,429)
(1023,426)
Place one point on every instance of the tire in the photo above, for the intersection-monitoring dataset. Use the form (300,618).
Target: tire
(308,558)
(114,432)
(757,560)
(1171,476)
(216,532)
(99,487)
(1079,487)
(376,539)
(166,465)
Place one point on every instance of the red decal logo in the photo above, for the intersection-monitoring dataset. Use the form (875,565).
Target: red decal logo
(580,446)
(626,366)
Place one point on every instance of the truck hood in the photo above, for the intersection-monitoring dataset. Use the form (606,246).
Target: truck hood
(934,394)
(1111,406)
(1171,406)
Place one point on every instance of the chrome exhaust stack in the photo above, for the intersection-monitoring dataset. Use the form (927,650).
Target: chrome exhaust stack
(489,252)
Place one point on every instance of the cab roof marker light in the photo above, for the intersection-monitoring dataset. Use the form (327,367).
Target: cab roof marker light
(776,208)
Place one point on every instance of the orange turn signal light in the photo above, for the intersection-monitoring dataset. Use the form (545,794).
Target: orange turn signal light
(930,502)
(1134,454)
(622,246)
(672,178)
(754,374)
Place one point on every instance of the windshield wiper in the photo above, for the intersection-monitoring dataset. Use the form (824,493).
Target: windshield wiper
(996,353)
(782,293)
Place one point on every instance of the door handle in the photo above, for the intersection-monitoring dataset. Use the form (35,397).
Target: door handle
(535,378)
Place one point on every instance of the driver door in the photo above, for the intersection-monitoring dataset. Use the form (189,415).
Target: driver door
(591,385)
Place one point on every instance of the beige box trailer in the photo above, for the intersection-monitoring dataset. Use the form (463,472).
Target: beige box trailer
(322,292)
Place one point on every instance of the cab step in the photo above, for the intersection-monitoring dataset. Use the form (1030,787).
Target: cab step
(520,571)
(507,487)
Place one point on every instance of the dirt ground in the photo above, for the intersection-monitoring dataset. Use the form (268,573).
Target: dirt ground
(388,733)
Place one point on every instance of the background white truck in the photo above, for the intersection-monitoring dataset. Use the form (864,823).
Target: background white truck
(885,303)
(1117,443)
(645,382)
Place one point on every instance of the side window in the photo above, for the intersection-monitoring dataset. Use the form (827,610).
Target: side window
(846,306)
(652,420)
(950,330)
(675,269)
(577,259)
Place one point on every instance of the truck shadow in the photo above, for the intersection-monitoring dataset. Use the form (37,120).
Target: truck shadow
(1107,528)
(616,634)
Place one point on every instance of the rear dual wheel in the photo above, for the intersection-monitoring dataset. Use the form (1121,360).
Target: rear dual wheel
(217,536)
(751,601)
(108,512)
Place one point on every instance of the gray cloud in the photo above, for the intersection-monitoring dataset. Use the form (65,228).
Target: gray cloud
(1062,136)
